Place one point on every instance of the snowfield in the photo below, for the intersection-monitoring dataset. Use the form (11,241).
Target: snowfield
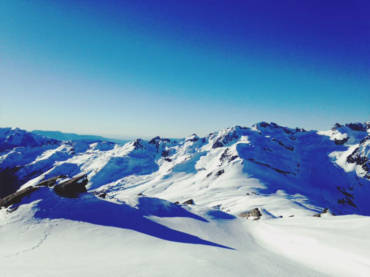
(261,201)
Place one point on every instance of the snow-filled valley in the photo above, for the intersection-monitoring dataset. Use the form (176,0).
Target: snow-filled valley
(261,201)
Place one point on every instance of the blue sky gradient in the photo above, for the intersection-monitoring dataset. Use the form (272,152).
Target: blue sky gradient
(142,68)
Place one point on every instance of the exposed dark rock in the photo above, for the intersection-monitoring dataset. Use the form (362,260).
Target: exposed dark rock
(168,160)
(16,197)
(220,172)
(9,181)
(73,187)
(355,157)
(101,194)
(363,161)
(188,202)
(300,130)
(209,174)
(193,138)
(233,158)
(154,140)
(217,144)
(224,155)
(341,141)
(357,127)
(288,147)
(253,214)
(343,191)
(50,182)
(324,211)
(138,144)
(226,139)
(347,201)
(269,166)
(227,157)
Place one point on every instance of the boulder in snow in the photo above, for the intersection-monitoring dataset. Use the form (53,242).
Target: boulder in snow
(189,202)
(252,214)
(73,187)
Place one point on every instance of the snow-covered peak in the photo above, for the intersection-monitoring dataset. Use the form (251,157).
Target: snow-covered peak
(15,137)
(349,134)
(266,160)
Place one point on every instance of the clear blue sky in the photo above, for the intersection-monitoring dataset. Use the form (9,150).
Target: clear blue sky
(142,68)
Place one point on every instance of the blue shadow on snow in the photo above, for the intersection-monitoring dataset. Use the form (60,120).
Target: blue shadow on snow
(90,209)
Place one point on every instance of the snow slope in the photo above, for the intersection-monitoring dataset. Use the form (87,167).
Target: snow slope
(137,228)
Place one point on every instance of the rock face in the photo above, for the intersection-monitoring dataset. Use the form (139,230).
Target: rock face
(16,197)
(325,212)
(252,214)
(189,202)
(9,181)
(70,188)
(73,187)
(360,156)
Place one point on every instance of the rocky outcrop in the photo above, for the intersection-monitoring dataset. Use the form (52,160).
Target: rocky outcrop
(227,156)
(269,166)
(226,139)
(325,212)
(357,126)
(341,141)
(252,214)
(189,202)
(70,188)
(16,197)
(220,172)
(73,187)
(9,181)
(360,156)
(138,144)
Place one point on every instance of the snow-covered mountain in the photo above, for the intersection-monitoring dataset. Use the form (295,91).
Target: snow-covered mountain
(71,136)
(281,175)
(304,171)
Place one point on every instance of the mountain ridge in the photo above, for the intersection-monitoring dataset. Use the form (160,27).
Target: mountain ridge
(280,158)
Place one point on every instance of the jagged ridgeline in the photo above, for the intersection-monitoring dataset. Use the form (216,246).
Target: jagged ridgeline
(236,170)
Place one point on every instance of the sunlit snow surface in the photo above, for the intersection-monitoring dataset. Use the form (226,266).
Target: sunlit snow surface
(138,230)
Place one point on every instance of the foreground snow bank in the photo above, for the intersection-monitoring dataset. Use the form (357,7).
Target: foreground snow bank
(336,245)
(43,239)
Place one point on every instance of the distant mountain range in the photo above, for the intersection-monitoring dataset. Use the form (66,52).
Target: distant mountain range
(306,170)
(71,136)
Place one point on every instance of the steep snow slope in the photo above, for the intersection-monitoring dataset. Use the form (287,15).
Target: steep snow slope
(134,227)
